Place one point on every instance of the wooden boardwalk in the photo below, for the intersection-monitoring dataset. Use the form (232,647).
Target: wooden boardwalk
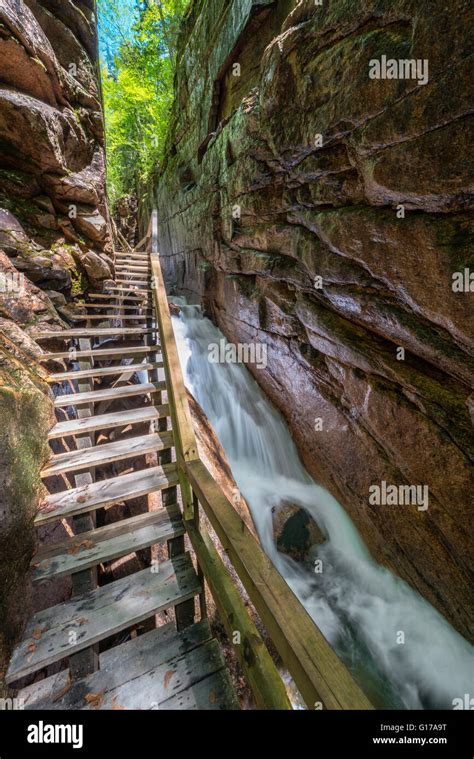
(113,654)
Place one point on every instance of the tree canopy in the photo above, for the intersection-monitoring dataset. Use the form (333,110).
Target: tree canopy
(138,53)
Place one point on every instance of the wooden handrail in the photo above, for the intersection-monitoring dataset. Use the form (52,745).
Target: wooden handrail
(185,439)
(321,677)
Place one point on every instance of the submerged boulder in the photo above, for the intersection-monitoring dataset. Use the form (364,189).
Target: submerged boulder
(295,532)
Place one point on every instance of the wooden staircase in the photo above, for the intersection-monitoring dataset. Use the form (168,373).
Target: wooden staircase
(117,439)
(178,665)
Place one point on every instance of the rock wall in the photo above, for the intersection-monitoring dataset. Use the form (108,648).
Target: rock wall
(54,220)
(55,241)
(324,213)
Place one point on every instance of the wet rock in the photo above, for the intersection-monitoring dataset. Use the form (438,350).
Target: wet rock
(51,130)
(295,532)
(13,238)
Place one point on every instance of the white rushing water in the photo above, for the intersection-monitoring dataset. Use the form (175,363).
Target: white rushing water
(360,606)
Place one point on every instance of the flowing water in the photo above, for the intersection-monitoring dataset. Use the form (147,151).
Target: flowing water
(360,606)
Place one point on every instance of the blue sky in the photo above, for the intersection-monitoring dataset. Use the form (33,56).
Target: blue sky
(114,27)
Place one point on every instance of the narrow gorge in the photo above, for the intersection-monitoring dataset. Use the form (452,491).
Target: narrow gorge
(323,214)
(231,192)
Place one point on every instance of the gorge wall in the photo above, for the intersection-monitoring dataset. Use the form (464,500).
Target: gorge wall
(55,240)
(324,213)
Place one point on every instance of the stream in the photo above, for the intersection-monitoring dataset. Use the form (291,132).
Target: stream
(360,606)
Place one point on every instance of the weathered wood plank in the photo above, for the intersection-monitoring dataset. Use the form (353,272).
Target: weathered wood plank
(157,646)
(108,371)
(133,275)
(111,296)
(131,257)
(99,354)
(109,318)
(98,332)
(316,669)
(105,492)
(214,692)
(261,673)
(136,267)
(107,543)
(111,307)
(166,680)
(101,613)
(99,455)
(108,421)
(110,394)
(161,670)
(131,288)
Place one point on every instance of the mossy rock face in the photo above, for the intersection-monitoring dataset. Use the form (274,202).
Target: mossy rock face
(330,212)
(27,415)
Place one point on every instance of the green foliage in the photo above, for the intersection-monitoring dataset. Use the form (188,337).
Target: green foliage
(138,44)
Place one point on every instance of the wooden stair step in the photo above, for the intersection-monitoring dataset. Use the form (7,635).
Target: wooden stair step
(127,268)
(101,613)
(162,644)
(131,288)
(110,296)
(118,307)
(153,671)
(108,371)
(98,332)
(110,317)
(134,257)
(145,274)
(108,421)
(100,354)
(89,549)
(106,492)
(99,455)
(135,285)
(110,394)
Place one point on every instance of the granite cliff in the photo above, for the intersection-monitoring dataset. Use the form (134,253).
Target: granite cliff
(55,241)
(324,214)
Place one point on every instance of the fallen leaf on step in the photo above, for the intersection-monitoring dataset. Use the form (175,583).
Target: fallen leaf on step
(168,677)
(212,697)
(62,692)
(36,634)
(95,699)
(80,546)
(81,621)
(116,706)
(32,648)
